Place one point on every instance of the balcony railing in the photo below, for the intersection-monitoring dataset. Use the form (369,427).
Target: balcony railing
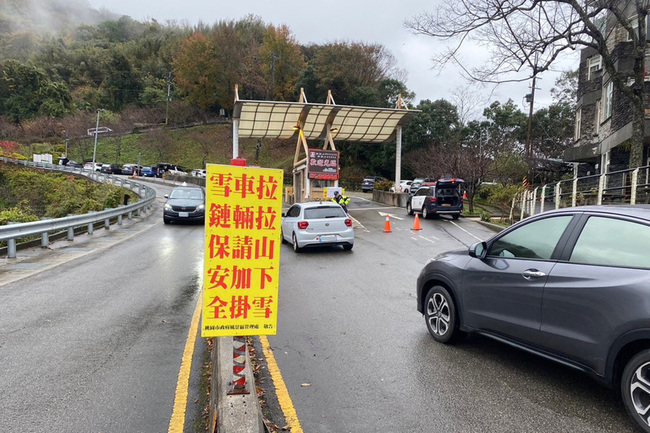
(631,186)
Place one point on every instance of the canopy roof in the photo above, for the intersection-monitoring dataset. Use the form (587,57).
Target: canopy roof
(265,119)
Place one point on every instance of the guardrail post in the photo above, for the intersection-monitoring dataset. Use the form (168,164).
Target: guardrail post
(45,237)
(119,220)
(70,233)
(541,200)
(558,192)
(635,180)
(533,202)
(11,245)
(107,224)
(91,228)
(130,215)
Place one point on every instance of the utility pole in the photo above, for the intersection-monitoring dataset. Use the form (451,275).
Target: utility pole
(529,137)
(273,59)
(169,90)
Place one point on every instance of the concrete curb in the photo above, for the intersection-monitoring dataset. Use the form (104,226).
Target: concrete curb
(232,413)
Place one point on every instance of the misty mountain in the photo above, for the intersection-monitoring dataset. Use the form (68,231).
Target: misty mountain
(47,16)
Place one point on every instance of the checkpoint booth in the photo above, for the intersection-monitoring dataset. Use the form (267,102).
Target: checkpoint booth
(316,128)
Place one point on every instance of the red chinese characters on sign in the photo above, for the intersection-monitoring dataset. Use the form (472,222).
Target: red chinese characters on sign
(323,164)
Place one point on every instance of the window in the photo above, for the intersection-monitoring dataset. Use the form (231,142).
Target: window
(576,133)
(324,212)
(536,240)
(634,23)
(594,64)
(613,242)
(606,102)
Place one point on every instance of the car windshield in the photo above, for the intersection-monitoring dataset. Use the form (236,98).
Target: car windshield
(189,193)
(324,212)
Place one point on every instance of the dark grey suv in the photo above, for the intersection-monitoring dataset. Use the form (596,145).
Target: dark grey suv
(572,285)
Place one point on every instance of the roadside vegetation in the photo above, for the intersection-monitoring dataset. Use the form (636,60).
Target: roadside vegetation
(166,92)
(28,195)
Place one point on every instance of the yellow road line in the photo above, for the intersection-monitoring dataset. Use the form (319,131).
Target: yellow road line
(281,391)
(177,422)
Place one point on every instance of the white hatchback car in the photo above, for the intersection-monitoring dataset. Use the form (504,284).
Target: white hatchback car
(317,224)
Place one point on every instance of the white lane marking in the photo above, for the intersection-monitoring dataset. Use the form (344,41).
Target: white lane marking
(475,237)
(390,215)
(427,239)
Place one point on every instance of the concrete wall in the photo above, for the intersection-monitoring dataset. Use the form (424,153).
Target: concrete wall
(390,198)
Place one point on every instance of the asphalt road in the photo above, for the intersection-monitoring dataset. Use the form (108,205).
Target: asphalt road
(92,335)
(355,354)
(91,339)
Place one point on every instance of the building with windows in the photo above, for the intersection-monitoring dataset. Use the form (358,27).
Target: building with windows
(603,122)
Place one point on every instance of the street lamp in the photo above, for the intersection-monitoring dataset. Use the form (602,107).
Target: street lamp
(99,110)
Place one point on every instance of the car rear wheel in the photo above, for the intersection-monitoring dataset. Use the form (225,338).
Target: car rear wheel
(635,389)
(347,247)
(409,208)
(440,315)
(294,242)
(455,216)
(425,213)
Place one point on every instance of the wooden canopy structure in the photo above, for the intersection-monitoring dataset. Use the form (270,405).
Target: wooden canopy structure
(317,122)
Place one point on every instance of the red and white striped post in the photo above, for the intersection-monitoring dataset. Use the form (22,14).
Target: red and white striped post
(238,384)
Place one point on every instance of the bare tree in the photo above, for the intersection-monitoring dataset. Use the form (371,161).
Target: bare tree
(525,37)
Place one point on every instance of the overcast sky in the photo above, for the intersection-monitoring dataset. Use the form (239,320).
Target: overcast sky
(370,21)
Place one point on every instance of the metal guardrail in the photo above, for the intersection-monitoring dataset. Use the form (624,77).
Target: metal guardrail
(14,231)
(629,186)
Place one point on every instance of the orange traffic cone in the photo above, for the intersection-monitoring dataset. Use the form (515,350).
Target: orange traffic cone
(387,225)
(135,173)
(416,223)
(465,195)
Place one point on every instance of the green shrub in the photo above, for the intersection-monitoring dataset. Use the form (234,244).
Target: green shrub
(485,216)
(20,213)
(384,185)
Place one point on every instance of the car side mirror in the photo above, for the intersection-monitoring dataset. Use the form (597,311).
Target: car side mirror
(478,250)
(284,214)
(166,196)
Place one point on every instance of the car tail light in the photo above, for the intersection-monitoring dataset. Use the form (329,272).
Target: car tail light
(434,199)
(348,222)
(303,225)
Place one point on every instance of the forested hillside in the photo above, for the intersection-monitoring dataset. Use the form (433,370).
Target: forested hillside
(61,62)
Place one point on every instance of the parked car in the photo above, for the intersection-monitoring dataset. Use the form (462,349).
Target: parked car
(74,164)
(317,224)
(148,171)
(417,183)
(441,197)
(185,203)
(404,186)
(368,183)
(89,166)
(571,285)
(127,169)
(111,168)
(177,170)
(198,173)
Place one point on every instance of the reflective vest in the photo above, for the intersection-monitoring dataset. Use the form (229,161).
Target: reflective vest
(342,200)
